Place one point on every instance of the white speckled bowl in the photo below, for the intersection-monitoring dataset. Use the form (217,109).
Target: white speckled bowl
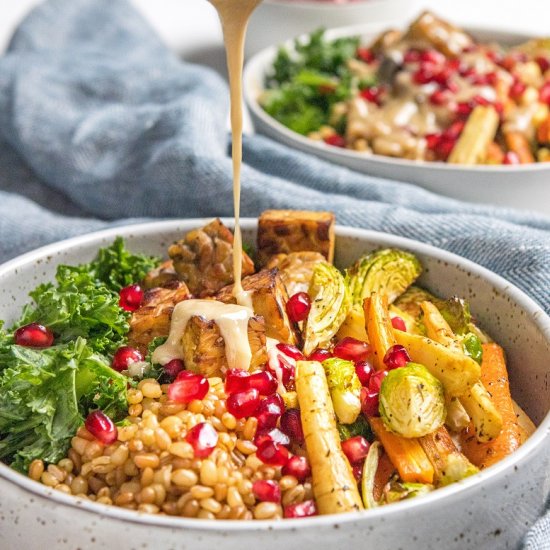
(490,510)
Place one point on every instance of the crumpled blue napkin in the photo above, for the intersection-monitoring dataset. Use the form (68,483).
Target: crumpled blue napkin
(100,122)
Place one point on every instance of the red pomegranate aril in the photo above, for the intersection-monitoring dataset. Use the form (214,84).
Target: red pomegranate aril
(365,55)
(412,56)
(375,381)
(423,76)
(281,366)
(511,157)
(369,402)
(124,356)
(543,63)
(243,404)
(203,438)
(371,94)
(432,140)
(101,427)
(291,425)
(300,510)
(187,387)
(130,297)
(454,130)
(236,380)
(173,368)
(33,335)
(263,381)
(320,355)
(274,435)
(351,349)
(364,371)
(272,453)
(439,97)
(299,304)
(356,449)
(398,323)
(336,140)
(269,411)
(444,147)
(397,356)
(297,466)
(463,108)
(357,470)
(544,93)
(432,56)
(291,351)
(266,490)
(517,89)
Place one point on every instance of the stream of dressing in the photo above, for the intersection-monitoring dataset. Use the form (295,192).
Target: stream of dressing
(232,320)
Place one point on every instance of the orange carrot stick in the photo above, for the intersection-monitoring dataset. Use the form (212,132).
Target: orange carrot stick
(495,378)
(517,142)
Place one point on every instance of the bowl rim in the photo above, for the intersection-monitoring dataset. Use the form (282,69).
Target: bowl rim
(392,511)
(256,68)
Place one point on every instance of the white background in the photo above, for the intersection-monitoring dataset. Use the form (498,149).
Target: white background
(191,26)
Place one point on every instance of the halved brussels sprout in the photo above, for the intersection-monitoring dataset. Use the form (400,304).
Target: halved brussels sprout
(387,271)
(457,467)
(345,387)
(412,401)
(400,491)
(330,303)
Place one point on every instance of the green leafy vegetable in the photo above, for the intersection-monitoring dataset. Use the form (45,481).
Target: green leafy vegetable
(472,347)
(359,427)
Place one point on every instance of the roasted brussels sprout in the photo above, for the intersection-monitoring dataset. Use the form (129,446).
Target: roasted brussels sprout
(344,388)
(400,491)
(412,401)
(359,427)
(457,467)
(330,303)
(387,271)
(471,344)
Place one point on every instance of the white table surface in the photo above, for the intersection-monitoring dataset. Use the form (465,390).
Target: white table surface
(191,27)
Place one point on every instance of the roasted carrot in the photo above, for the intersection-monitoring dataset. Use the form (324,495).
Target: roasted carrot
(543,131)
(495,378)
(406,455)
(517,142)
(334,487)
(379,327)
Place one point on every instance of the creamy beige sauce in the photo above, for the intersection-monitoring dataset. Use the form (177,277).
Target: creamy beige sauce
(232,320)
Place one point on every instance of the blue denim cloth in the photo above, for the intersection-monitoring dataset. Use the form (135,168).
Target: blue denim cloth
(100,123)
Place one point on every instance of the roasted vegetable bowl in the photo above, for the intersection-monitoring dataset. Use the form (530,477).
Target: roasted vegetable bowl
(273,468)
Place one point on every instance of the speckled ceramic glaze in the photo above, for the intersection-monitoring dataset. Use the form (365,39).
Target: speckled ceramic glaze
(491,510)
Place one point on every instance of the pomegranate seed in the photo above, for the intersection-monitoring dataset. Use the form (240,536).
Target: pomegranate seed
(375,381)
(275,436)
(297,466)
(101,427)
(432,56)
(124,356)
(494,56)
(454,130)
(371,94)
(283,368)
(511,157)
(397,356)
(454,65)
(423,76)
(544,93)
(365,54)
(356,449)
(364,371)
(187,387)
(357,471)
(432,140)
(320,355)
(300,510)
(351,349)
(266,490)
(335,140)
(269,411)
(243,404)
(33,335)
(517,89)
(291,351)
(439,97)
(299,304)
(369,402)
(466,72)
(411,56)
(444,147)
(398,323)
(130,297)
(263,381)
(173,368)
(236,381)
(463,109)
(543,63)
(272,453)
(203,438)
(291,425)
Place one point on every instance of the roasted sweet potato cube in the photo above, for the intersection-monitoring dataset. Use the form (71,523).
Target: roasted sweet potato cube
(269,298)
(204,346)
(285,231)
(296,269)
(161,275)
(153,318)
(203,259)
